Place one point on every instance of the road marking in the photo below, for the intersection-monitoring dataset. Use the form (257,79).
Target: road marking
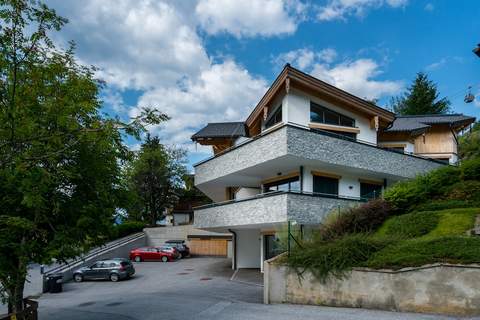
(215,309)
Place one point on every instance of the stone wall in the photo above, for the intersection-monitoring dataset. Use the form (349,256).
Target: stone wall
(441,288)
(157,236)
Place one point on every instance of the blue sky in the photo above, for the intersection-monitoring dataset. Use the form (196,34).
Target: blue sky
(203,61)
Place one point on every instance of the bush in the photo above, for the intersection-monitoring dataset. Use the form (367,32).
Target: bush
(454,222)
(362,219)
(412,225)
(324,258)
(465,190)
(471,169)
(126,228)
(418,252)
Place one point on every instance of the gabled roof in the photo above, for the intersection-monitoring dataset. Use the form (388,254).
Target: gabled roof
(420,123)
(292,77)
(221,130)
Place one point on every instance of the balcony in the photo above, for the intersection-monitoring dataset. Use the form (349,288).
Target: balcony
(291,145)
(269,209)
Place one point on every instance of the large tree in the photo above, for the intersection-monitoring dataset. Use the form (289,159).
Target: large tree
(155,180)
(420,98)
(60,157)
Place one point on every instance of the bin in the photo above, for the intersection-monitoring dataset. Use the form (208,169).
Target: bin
(54,283)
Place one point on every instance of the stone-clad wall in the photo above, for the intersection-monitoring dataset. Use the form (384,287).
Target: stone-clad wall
(304,209)
(444,289)
(268,147)
(301,143)
(270,209)
(315,146)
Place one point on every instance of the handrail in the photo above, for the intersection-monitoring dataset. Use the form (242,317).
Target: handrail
(276,193)
(95,252)
(317,131)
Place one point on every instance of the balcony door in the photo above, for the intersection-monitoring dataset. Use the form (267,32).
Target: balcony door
(326,186)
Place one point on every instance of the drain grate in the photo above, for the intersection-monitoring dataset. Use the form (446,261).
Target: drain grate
(182,273)
(205,279)
(113,304)
(189,269)
(85,304)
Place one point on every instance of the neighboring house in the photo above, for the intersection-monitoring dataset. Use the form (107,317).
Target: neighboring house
(306,149)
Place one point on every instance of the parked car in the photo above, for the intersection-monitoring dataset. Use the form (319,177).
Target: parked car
(154,254)
(181,247)
(112,269)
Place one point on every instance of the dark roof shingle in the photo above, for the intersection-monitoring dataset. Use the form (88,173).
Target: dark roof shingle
(221,130)
(423,122)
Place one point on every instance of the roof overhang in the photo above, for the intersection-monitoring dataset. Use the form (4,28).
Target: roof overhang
(292,78)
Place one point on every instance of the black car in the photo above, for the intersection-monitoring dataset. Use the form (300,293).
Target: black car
(112,269)
(181,247)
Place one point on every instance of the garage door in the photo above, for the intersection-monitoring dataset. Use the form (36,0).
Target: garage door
(208,247)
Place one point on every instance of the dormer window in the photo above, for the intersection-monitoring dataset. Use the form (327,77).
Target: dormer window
(275,118)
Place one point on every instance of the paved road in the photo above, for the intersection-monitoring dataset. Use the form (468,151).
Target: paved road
(196,288)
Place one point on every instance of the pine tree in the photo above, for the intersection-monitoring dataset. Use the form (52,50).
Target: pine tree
(420,98)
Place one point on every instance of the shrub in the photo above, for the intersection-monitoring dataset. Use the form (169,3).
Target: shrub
(410,225)
(465,190)
(418,252)
(454,222)
(471,169)
(324,258)
(126,228)
(362,219)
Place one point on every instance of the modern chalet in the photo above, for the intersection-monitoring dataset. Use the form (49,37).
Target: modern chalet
(306,149)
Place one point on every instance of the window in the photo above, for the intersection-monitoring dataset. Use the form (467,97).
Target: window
(325,185)
(283,185)
(272,246)
(275,118)
(370,190)
(323,115)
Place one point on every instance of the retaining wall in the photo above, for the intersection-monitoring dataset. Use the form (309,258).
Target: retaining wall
(441,288)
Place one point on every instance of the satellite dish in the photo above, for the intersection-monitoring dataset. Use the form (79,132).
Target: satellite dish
(469,97)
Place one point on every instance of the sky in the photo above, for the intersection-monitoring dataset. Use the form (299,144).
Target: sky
(203,61)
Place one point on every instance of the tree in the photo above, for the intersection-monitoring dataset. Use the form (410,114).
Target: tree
(59,157)
(469,143)
(420,98)
(155,177)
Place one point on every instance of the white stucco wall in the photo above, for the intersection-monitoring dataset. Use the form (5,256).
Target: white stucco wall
(248,248)
(297,110)
(243,193)
(240,140)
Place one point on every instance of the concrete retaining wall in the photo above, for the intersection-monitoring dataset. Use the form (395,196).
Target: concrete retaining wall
(444,289)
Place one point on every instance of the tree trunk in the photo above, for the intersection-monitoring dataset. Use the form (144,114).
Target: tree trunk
(15,299)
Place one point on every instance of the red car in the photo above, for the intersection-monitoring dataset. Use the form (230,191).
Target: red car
(153,254)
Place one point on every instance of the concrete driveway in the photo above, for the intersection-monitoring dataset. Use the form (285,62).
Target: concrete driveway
(196,288)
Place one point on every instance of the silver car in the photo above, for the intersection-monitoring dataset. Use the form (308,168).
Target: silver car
(113,270)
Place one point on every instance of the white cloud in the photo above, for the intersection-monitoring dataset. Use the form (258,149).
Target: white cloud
(429,7)
(436,65)
(304,58)
(341,9)
(224,92)
(357,77)
(247,18)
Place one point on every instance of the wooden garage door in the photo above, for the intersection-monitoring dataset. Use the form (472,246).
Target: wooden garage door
(208,247)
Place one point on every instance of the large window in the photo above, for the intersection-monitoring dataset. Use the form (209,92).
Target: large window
(325,185)
(290,184)
(275,118)
(321,114)
(370,190)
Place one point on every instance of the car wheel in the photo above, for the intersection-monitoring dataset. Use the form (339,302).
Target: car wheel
(77,277)
(138,259)
(164,259)
(114,277)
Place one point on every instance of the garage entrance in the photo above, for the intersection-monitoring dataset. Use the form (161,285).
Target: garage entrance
(208,246)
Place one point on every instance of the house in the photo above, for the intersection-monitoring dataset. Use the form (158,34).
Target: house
(308,148)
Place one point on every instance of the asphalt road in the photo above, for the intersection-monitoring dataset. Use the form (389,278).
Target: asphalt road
(196,288)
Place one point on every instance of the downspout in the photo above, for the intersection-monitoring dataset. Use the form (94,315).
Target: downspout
(234,248)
